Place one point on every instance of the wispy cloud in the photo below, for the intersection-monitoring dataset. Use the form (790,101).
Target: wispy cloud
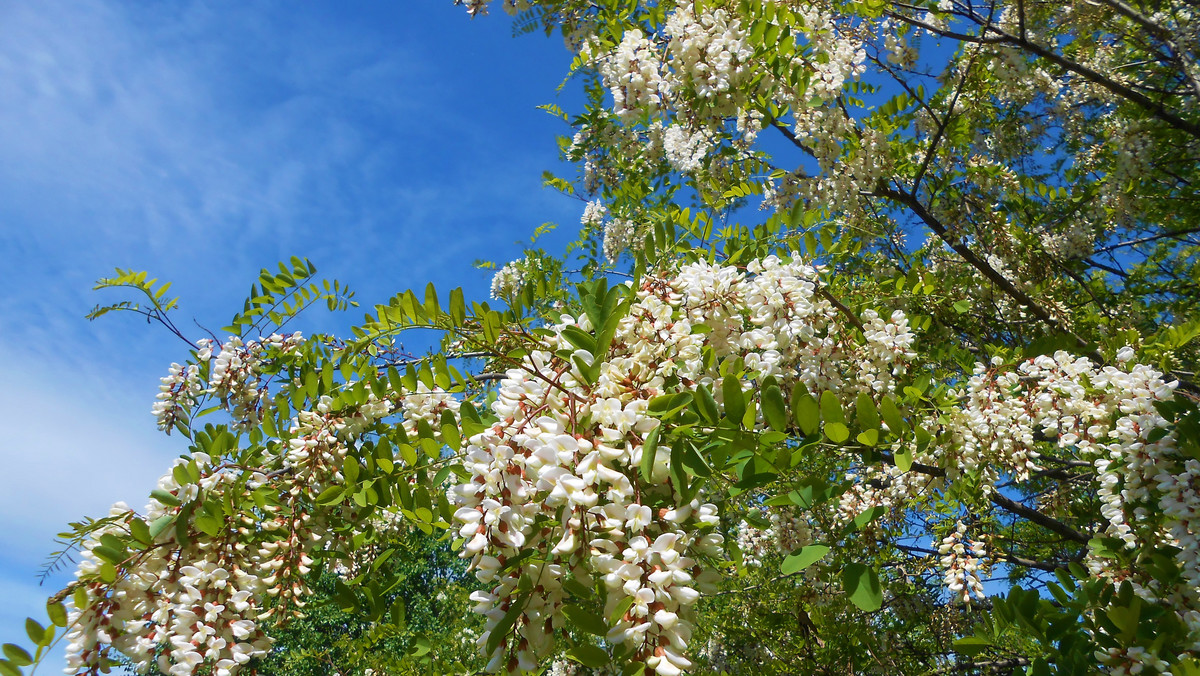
(78,447)
(68,451)
(202,140)
(212,139)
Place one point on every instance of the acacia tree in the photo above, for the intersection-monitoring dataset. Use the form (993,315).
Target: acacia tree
(956,341)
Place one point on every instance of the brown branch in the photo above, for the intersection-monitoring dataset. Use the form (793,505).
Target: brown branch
(1149,238)
(841,308)
(1007,504)
(1048,566)
(997,665)
(910,201)
(1124,91)
(1049,523)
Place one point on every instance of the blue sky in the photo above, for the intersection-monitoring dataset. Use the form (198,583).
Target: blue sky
(393,143)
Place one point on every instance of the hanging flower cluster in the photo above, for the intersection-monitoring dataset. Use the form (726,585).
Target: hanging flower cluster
(633,75)
(510,279)
(558,474)
(1069,407)
(789,531)
(177,395)
(962,560)
(182,587)
(233,377)
(174,605)
(619,235)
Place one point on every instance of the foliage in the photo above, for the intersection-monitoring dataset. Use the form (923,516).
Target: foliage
(957,340)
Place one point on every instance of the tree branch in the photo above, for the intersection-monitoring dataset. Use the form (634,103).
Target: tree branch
(984,268)
(1155,108)
(1049,523)
(1149,238)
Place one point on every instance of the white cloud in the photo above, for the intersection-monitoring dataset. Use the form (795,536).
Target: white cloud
(24,598)
(202,141)
(72,446)
(74,443)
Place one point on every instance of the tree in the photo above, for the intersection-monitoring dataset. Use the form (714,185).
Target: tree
(956,341)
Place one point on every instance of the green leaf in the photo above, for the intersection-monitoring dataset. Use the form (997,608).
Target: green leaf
(807,414)
(458,307)
(891,416)
(734,399)
(35,631)
(588,655)
(397,612)
(962,306)
(585,620)
(505,625)
(971,645)
(431,300)
(861,584)
(57,614)
(17,655)
(649,450)
(350,470)
(868,415)
(8,668)
(165,497)
(140,531)
(774,409)
(837,432)
(472,424)
(161,524)
(620,609)
(803,558)
(1105,547)
(330,495)
(863,518)
(831,408)
(421,646)
(580,339)
(677,471)
(694,461)
(109,554)
(450,435)
(707,405)
(666,405)
(208,524)
(867,437)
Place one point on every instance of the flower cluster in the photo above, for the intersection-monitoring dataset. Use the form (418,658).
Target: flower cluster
(173,605)
(711,55)
(558,473)
(619,235)
(962,560)
(509,280)
(177,395)
(1131,661)
(789,531)
(425,404)
(182,587)
(685,149)
(233,377)
(1075,242)
(594,214)
(633,75)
